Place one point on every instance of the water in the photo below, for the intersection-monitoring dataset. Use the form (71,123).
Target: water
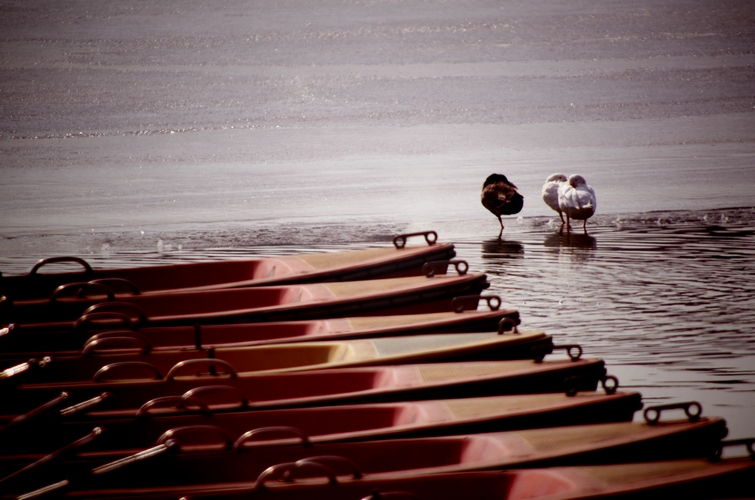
(172,131)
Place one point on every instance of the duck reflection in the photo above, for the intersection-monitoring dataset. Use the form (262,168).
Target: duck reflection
(571,240)
(571,247)
(502,249)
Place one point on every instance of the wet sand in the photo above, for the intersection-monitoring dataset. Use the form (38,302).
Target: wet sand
(173,131)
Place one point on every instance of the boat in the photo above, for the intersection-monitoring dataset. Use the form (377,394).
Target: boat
(125,435)
(112,364)
(691,478)
(351,265)
(40,404)
(17,344)
(215,459)
(410,295)
(315,479)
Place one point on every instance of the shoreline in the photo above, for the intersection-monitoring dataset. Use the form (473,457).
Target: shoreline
(20,251)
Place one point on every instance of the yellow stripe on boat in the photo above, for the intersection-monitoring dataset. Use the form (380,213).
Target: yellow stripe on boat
(327,260)
(437,373)
(477,407)
(375,322)
(630,473)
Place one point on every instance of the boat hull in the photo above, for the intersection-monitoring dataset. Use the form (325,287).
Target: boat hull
(303,268)
(412,295)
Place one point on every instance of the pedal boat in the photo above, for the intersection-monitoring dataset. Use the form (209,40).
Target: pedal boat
(195,456)
(369,263)
(111,364)
(67,308)
(38,405)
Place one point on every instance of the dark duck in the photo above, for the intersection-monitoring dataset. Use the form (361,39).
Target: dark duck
(501,197)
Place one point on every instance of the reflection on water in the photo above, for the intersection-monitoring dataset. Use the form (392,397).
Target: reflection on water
(570,240)
(502,249)
(668,300)
(571,247)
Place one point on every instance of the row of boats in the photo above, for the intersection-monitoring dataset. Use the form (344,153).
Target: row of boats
(358,374)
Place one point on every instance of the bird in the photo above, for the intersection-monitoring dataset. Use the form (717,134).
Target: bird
(501,197)
(550,192)
(577,200)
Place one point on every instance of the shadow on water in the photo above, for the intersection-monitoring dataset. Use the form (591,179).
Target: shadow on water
(502,249)
(570,240)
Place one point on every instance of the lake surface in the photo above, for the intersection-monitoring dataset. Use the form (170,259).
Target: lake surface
(173,131)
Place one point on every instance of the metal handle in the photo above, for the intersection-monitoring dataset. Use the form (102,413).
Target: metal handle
(493,301)
(40,410)
(108,319)
(51,260)
(194,430)
(117,281)
(193,393)
(6,330)
(118,333)
(286,471)
(652,414)
(16,370)
(430,237)
(568,348)
(256,433)
(748,443)
(212,363)
(572,384)
(610,388)
(128,308)
(178,402)
(147,454)
(80,290)
(85,405)
(461,266)
(93,346)
(57,455)
(507,325)
(126,365)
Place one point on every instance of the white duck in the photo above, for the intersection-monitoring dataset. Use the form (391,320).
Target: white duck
(550,192)
(577,200)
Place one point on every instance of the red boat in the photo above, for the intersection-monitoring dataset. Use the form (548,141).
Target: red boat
(29,344)
(426,348)
(347,422)
(236,305)
(33,404)
(192,461)
(690,478)
(397,260)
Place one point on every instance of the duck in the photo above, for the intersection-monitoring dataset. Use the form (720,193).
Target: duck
(577,200)
(550,193)
(501,197)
